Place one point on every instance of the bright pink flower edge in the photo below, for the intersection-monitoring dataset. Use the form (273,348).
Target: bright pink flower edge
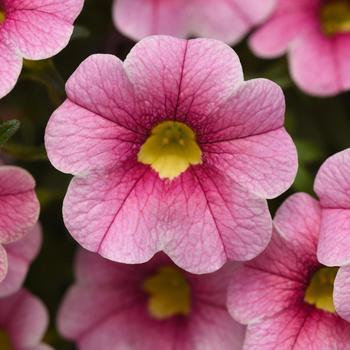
(24,318)
(226,20)
(119,207)
(319,64)
(107,308)
(268,293)
(19,208)
(33,30)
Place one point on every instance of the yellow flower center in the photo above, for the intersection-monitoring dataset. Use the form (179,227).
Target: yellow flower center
(2,16)
(169,293)
(5,341)
(320,290)
(170,149)
(335,17)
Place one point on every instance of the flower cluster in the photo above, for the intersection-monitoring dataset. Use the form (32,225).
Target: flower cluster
(174,156)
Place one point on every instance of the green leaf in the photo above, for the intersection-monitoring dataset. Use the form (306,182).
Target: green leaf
(308,152)
(7,130)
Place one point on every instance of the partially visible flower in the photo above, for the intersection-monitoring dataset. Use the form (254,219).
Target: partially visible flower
(146,307)
(33,30)
(226,20)
(19,209)
(23,322)
(288,299)
(173,151)
(332,185)
(19,256)
(316,36)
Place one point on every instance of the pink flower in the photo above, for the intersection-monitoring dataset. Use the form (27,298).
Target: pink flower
(288,299)
(226,20)
(19,256)
(146,307)
(172,151)
(332,185)
(19,211)
(316,35)
(23,321)
(33,30)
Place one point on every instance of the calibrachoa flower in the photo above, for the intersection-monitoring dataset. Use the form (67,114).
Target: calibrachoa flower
(173,151)
(19,211)
(23,321)
(227,20)
(33,30)
(286,296)
(19,256)
(145,307)
(316,35)
(332,185)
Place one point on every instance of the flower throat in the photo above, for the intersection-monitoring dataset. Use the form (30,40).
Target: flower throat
(5,342)
(319,293)
(170,149)
(335,17)
(169,293)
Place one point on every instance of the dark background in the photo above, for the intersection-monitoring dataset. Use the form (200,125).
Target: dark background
(319,127)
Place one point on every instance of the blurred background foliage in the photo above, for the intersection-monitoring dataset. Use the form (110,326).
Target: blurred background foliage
(319,127)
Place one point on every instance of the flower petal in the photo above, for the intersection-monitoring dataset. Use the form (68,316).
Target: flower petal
(299,328)
(341,294)
(183,80)
(28,321)
(20,255)
(79,141)
(264,164)
(228,21)
(111,96)
(313,64)
(290,19)
(19,204)
(331,183)
(40,29)
(10,68)
(130,214)
(334,244)
(140,18)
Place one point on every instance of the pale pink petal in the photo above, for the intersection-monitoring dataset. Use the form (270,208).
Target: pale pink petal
(140,18)
(291,19)
(314,64)
(277,278)
(19,204)
(198,224)
(334,244)
(332,187)
(299,328)
(332,181)
(228,21)
(20,254)
(211,328)
(255,108)
(298,221)
(10,68)
(25,319)
(341,294)
(67,10)
(183,80)
(78,141)
(3,263)
(42,28)
(264,164)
